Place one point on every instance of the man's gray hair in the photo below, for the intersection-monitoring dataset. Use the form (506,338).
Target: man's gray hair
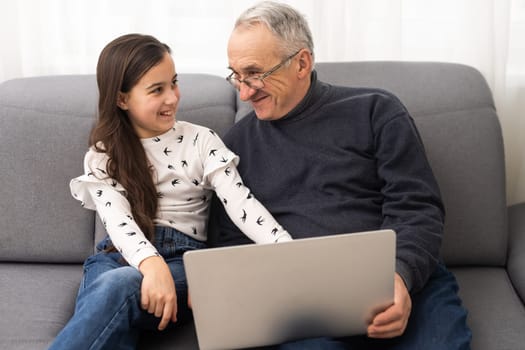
(287,24)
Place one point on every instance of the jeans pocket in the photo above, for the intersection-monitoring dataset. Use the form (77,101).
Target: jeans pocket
(85,271)
(98,263)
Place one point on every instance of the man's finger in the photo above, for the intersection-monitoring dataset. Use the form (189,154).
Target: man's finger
(386,331)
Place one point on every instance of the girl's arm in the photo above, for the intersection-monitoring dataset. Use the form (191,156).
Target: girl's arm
(252,218)
(97,191)
(115,212)
(221,174)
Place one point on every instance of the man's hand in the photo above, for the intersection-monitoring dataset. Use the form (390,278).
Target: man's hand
(158,295)
(393,321)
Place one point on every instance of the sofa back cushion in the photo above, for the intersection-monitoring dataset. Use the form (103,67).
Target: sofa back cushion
(207,100)
(454,112)
(44,128)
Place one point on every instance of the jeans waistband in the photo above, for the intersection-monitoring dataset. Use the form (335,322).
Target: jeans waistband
(170,242)
(169,235)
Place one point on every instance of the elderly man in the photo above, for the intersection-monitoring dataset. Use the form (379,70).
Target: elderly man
(327,160)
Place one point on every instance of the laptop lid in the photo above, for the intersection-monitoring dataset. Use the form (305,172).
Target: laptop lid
(255,295)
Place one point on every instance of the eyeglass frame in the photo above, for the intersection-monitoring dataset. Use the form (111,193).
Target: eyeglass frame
(236,83)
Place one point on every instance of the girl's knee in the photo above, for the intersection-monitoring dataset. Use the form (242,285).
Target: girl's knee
(125,276)
(123,279)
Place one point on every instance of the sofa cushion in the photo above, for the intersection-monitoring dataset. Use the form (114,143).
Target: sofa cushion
(37,300)
(472,183)
(207,100)
(44,126)
(495,312)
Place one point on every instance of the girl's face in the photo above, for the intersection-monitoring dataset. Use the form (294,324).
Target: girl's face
(152,103)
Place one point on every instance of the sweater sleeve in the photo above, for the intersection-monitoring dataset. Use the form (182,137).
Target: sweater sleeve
(246,212)
(97,191)
(412,204)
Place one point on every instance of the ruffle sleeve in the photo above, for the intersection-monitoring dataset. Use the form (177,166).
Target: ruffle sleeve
(95,172)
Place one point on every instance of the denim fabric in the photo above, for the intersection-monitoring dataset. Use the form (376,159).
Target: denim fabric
(107,312)
(437,322)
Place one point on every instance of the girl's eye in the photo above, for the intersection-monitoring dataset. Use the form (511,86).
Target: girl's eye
(157,90)
(174,82)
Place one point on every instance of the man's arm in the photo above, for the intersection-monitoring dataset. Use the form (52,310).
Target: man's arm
(412,204)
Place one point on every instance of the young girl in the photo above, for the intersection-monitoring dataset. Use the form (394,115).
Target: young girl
(150,179)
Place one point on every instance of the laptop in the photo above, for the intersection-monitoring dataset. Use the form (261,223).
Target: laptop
(257,295)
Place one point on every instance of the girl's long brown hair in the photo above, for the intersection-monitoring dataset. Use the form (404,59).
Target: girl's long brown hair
(120,66)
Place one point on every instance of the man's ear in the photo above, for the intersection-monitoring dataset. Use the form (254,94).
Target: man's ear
(305,62)
(122,101)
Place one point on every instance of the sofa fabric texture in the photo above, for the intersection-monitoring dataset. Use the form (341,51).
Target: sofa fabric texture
(45,235)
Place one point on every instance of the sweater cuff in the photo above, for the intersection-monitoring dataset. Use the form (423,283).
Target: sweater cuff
(404,271)
(284,237)
(141,255)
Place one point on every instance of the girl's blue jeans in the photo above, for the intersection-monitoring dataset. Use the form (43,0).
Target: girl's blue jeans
(108,314)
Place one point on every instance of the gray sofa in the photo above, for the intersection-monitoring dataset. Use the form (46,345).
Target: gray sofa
(45,235)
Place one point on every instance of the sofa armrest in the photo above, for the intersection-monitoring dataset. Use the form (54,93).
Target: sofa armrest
(516,261)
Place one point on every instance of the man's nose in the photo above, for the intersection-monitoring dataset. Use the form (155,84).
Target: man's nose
(245,92)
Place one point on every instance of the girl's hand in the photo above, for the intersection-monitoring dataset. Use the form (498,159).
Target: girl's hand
(158,295)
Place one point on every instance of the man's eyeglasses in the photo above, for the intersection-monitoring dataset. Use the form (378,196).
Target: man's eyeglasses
(257,82)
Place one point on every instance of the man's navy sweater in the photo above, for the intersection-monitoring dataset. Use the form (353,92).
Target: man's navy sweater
(344,160)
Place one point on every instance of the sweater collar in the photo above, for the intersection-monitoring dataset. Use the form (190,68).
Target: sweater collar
(159,139)
(311,100)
